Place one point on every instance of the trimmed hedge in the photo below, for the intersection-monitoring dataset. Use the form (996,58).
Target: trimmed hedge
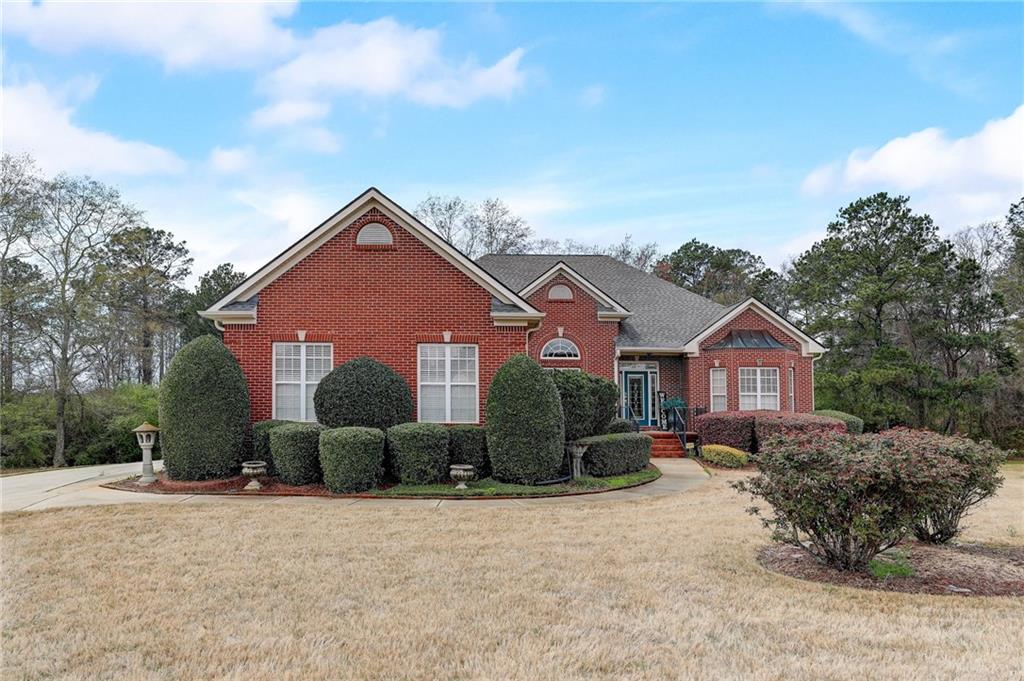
(352,459)
(419,452)
(616,453)
(730,428)
(770,423)
(525,426)
(204,412)
(363,392)
(296,451)
(605,395)
(619,425)
(576,392)
(854,424)
(721,455)
(468,445)
(261,442)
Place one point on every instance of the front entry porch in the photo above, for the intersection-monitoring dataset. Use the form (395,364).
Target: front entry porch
(647,385)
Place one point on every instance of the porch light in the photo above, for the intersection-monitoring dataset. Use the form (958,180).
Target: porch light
(146,435)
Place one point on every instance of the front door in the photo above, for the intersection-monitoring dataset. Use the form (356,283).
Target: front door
(636,396)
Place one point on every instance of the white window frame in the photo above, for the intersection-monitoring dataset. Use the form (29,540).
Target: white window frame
(725,387)
(302,377)
(760,394)
(559,287)
(448,381)
(791,388)
(370,235)
(577,358)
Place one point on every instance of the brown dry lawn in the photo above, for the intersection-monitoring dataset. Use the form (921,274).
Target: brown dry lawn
(657,588)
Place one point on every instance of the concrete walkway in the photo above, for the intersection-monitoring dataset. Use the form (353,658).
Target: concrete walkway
(81,487)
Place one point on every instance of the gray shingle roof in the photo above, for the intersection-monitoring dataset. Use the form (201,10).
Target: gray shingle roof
(743,339)
(243,304)
(664,315)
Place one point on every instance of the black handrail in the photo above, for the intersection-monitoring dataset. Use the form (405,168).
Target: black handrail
(681,432)
(633,419)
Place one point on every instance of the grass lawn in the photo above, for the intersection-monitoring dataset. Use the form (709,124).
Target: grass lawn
(489,487)
(664,587)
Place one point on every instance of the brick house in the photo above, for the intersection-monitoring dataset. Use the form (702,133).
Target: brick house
(372,280)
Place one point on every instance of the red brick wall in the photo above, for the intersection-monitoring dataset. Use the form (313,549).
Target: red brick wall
(378,302)
(578,319)
(698,369)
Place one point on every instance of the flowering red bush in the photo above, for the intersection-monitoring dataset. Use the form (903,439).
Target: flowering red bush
(845,498)
(980,460)
(769,423)
(729,428)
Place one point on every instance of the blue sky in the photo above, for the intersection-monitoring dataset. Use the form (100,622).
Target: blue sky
(239,127)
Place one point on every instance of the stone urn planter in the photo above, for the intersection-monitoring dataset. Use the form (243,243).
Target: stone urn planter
(253,470)
(461,474)
(576,452)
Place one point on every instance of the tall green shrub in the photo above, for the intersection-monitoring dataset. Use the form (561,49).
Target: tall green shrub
(605,395)
(363,392)
(525,427)
(576,392)
(204,412)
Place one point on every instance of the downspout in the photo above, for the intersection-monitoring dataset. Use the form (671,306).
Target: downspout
(540,323)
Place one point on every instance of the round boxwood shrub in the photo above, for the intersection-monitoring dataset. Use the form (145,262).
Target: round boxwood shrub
(605,395)
(204,412)
(419,452)
(576,392)
(363,392)
(468,445)
(854,424)
(525,427)
(352,459)
(616,453)
(619,425)
(261,442)
(721,455)
(296,451)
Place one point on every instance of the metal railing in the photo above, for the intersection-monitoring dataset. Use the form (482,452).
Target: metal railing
(633,419)
(679,420)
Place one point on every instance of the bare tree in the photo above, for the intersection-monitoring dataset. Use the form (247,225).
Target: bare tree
(476,229)
(78,216)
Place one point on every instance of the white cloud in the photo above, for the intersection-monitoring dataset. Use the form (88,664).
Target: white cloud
(592,96)
(296,211)
(964,179)
(316,139)
(385,58)
(227,161)
(178,34)
(38,121)
(289,112)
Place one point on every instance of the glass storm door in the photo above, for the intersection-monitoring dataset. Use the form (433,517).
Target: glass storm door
(636,397)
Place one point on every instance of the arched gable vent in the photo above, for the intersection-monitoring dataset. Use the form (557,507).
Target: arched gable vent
(559,292)
(374,234)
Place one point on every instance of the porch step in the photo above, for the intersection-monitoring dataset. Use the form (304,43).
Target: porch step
(665,445)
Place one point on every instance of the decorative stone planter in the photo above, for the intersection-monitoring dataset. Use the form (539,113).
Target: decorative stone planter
(252,470)
(461,474)
(576,452)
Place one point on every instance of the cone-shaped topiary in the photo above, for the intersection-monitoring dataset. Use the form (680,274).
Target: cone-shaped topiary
(525,427)
(363,392)
(204,412)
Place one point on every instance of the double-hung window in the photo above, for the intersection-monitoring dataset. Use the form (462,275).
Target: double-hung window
(449,385)
(719,397)
(759,388)
(298,368)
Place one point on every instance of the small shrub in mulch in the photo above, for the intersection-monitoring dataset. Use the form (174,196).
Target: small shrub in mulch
(468,445)
(616,453)
(419,452)
(726,457)
(952,569)
(296,451)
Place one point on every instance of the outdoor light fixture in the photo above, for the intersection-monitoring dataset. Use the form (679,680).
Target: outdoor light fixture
(146,435)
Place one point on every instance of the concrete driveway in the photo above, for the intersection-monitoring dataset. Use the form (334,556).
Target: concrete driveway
(80,486)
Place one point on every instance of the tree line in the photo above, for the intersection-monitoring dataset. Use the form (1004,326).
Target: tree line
(922,330)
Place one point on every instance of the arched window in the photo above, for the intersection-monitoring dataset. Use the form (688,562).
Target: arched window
(559,292)
(374,234)
(560,348)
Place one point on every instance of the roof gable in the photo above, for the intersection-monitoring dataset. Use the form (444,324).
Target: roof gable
(512,309)
(808,345)
(613,309)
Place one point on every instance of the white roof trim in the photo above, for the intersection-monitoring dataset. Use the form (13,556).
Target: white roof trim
(372,197)
(572,275)
(808,346)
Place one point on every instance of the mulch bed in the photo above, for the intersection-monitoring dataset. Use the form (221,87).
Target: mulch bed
(953,569)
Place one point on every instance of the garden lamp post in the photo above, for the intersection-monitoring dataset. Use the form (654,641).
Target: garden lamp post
(146,435)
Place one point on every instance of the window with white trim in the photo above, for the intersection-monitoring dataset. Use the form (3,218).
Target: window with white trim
(559,292)
(719,394)
(560,348)
(298,368)
(759,388)
(791,388)
(449,386)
